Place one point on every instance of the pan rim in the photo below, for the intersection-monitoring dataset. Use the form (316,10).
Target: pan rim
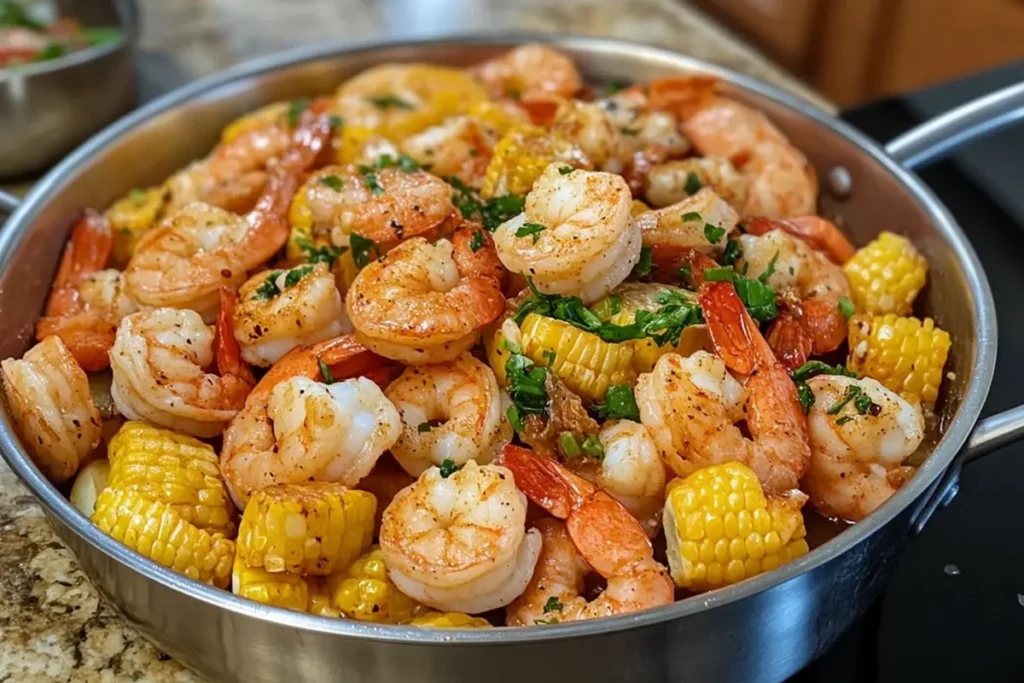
(59,508)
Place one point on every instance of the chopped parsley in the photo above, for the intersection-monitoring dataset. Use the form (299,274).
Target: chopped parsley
(51,51)
(549,357)
(852,392)
(509,345)
(361,247)
(685,273)
(813,368)
(693,183)
(843,420)
(713,233)
(526,385)
(335,121)
(333,182)
(723,274)
(607,307)
(770,270)
(325,370)
(805,395)
(423,427)
(490,212)
(619,404)
(566,170)
(270,289)
(568,446)
(13,14)
(136,195)
(545,622)
(757,296)
(846,307)
(530,230)
(552,605)
(372,184)
(448,468)
(592,448)
(733,252)
(296,274)
(319,254)
(514,418)
(295,110)
(692,216)
(645,265)
(388,101)
(477,242)
(403,162)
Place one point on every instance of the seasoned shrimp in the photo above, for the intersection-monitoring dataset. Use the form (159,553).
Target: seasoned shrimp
(674,181)
(690,405)
(85,330)
(861,433)
(598,533)
(158,362)
(529,71)
(385,205)
(52,407)
(781,181)
(460,147)
(281,309)
(642,127)
(415,306)
(811,286)
(631,470)
(293,428)
(587,125)
(817,232)
(576,235)
(683,225)
(185,260)
(451,411)
(459,542)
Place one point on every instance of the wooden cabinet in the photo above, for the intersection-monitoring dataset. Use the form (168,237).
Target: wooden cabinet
(853,50)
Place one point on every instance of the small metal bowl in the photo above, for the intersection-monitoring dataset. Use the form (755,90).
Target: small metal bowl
(47,109)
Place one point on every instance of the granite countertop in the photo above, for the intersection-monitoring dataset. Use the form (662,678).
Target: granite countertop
(53,624)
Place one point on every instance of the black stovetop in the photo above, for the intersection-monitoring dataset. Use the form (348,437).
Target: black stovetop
(954,610)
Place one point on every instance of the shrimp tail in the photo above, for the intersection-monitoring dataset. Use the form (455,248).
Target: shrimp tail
(87,252)
(735,335)
(544,481)
(817,232)
(790,341)
(681,95)
(824,324)
(226,348)
(474,253)
(668,259)
(87,337)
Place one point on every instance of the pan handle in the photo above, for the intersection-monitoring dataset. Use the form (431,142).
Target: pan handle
(943,134)
(8,203)
(989,434)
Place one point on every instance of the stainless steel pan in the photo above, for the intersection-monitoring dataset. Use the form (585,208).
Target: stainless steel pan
(762,629)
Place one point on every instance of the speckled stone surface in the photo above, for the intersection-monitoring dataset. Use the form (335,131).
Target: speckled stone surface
(53,624)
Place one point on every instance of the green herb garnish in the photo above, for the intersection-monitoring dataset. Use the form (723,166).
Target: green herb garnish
(693,183)
(592,448)
(552,605)
(403,162)
(723,274)
(51,51)
(372,184)
(136,195)
(852,392)
(619,404)
(295,274)
(335,121)
(607,307)
(843,420)
(566,170)
(713,233)
(388,101)
(770,270)
(813,368)
(268,289)
(530,230)
(568,445)
(733,252)
(448,468)
(491,212)
(423,427)
(295,110)
(514,418)
(319,254)
(477,242)
(361,247)
(806,396)
(691,216)
(526,384)
(333,182)
(645,265)
(325,370)
(549,357)
(13,14)
(846,307)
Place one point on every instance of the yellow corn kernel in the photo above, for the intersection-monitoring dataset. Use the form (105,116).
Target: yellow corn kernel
(521,156)
(641,296)
(290,591)
(720,528)
(173,469)
(130,218)
(365,593)
(498,338)
(306,528)
(906,355)
(497,116)
(449,620)
(886,275)
(587,364)
(638,208)
(264,116)
(353,143)
(155,530)
(320,598)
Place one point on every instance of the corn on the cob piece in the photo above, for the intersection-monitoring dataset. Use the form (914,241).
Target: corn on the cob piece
(449,620)
(365,593)
(290,591)
(587,364)
(130,218)
(721,529)
(905,354)
(320,598)
(886,275)
(499,117)
(173,469)
(157,531)
(641,296)
(638,208)
(264,116)
(502,336)
(89,484)
(306,528)
(521,156)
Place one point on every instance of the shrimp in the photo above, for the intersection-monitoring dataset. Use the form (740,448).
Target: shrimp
(690,405)
(857,450)
(587,125)
(642,127)
(576,236)
(684,225)
(529,71)
(460,147)
(781,181)
(631,471)
(282,309)
(86,333)
(459,542)
(414,305)
(293,428)
(673,181)
(819,233)
(184,261)
(158,362)
(384,205)
(598,533)
(811,286)
(451,411)
(52,407)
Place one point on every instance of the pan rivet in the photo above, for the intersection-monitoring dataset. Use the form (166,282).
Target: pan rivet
(840,182)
